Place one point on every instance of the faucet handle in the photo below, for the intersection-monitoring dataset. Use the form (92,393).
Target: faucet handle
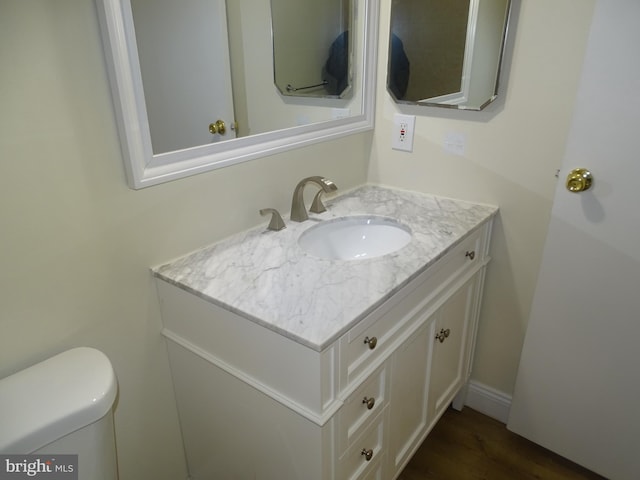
(276,222)
(316,205)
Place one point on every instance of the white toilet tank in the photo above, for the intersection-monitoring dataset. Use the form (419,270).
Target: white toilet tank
(63,406)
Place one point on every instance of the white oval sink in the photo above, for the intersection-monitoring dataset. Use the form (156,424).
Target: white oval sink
(354,238)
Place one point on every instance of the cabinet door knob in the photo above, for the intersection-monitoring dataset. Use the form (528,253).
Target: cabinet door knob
(372,342)
(471,255)
(443,334)
(368,454)
(370,402)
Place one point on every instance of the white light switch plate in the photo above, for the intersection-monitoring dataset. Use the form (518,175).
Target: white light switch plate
(455,143)
(403,127)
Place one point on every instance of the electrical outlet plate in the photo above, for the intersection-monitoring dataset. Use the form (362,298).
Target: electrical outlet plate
(403,128)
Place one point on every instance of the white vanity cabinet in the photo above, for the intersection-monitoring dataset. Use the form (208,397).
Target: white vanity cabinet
(286,366)
(254,403)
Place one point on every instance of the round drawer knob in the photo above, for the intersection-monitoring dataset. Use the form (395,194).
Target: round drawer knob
(443,335)
(368,454)
(372,342)
(369,402)
(470,255)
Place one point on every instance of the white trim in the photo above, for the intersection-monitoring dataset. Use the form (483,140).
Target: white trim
(488,401)
(469,49)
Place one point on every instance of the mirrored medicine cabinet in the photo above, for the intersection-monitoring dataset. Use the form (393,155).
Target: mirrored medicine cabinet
(312,54)
(447,53)
(197,84)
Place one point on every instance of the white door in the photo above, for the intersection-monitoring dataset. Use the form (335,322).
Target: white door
(184,61)
(578,386)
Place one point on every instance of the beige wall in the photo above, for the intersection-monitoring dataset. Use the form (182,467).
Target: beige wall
(76,243)
(512,152)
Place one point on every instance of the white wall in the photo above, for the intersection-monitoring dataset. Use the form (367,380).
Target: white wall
(512,152)
(76,243)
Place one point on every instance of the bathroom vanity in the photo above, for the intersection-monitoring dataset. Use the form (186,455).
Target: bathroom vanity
(287,365)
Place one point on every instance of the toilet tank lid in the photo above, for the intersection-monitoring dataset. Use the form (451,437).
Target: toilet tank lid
(53,398)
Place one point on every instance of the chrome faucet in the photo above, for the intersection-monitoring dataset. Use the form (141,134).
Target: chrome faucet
(298,210)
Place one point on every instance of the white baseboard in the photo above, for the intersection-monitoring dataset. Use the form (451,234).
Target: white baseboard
(488,401)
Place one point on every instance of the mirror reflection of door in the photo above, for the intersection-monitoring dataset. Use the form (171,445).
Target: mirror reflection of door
(432,35)
(184,62)
(446,53)
(311,48)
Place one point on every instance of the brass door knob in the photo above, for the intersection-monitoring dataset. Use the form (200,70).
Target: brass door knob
(218,127)
(579,180)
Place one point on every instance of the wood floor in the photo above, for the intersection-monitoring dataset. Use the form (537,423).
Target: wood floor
(470,446)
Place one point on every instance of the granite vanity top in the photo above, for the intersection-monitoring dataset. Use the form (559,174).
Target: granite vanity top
(266,277)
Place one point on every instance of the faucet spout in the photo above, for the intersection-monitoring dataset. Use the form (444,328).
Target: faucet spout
(298,210)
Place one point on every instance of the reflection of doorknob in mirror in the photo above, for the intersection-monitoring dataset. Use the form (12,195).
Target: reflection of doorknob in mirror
(218,127)
(579,180)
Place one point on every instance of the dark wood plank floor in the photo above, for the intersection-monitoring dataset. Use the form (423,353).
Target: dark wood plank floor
(470,446)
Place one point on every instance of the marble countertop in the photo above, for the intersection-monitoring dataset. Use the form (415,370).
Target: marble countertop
(266,277)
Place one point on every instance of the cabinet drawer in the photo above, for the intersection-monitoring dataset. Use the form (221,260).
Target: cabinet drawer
(367,344)
(361,408)
(470,252)
(364,456)
(375,471)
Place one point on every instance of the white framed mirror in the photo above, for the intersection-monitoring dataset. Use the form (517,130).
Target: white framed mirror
(153,76)
(447,54)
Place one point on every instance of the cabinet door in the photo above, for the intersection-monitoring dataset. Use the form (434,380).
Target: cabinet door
(453,335)
(408,398)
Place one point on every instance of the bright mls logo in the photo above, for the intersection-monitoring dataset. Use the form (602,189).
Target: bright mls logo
(51,467)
